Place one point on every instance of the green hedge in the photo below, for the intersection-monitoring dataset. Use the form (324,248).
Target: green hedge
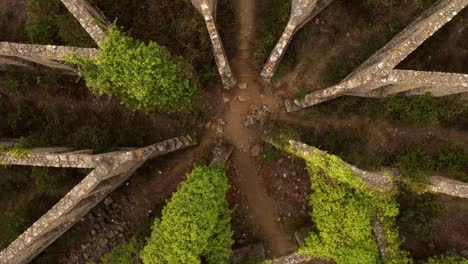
(195,224)
(145,76)
(343,209)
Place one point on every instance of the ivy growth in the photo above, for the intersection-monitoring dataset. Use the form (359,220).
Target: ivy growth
(195,224)
(343,210)
(145,76)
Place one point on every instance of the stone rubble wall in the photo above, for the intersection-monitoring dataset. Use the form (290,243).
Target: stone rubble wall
(385,181)
(374,181)
(291,259)
(381,237)
(207,8)
(108,175)
(221,154)
(5,60)
(419,82)
(50,159)
(302,11)
(50,52)
(377,70)
(447,186)
(91,19)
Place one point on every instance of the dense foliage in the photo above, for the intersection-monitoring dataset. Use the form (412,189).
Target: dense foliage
(145,76)
(195,224)
(49,22)
(447,260)
(418,110)
(125,253)
(418,212)
(343,210)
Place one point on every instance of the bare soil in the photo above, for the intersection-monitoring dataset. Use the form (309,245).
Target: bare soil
(12,18)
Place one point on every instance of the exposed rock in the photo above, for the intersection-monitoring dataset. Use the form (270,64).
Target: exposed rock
(243,98)
(243,86)
(255,150)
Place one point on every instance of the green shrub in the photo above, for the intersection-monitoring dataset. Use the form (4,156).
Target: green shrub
(48,22)
(99,140)
(417,214)
(415,164)
(340,71)
(16,220)
(49,182)
(454,161)
(274,16)
(12,84)
(125,253)
(195,224)
(418,110)
(447,260)
(343,209)
(145,76)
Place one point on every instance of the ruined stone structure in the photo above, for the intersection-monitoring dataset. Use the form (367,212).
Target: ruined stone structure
(384,182)
(302,11)
(52,56)
(377,77)
(110,170)
(207,8)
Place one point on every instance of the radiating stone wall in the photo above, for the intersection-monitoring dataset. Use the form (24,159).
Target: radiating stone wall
(379,70)
(110,171)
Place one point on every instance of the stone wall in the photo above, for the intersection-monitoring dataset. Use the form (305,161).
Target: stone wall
(111,171)
(207,8)
(91,19)
(378,71)
(302,11)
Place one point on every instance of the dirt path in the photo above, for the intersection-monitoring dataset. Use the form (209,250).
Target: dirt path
(261,206)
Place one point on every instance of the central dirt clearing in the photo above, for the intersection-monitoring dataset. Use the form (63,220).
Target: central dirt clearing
(262,209)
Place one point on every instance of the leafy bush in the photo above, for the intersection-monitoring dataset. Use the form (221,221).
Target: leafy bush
(49,182)
(16,220)
(195,224)
(418,110)
(351,144)
(454,160)
(275,16)
(447,260)
(417,214)
(91,137)
(343,210)
(415,164)
(125,253)
(145,76)
(48,22)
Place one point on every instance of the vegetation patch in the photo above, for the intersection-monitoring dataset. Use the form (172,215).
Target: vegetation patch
(418,110)
(417,214)
(145,76)
(49,22)
(447,260)
(195,224)
(343,209)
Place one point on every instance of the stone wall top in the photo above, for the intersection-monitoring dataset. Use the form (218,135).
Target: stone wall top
(51,52)
(90,18)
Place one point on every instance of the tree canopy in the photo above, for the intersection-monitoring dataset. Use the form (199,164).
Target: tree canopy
(195,224)
(145,76)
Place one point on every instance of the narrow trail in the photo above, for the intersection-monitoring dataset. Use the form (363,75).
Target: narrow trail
(261,206)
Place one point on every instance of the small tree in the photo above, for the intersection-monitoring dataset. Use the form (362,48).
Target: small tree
(145,76)
(195,224)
